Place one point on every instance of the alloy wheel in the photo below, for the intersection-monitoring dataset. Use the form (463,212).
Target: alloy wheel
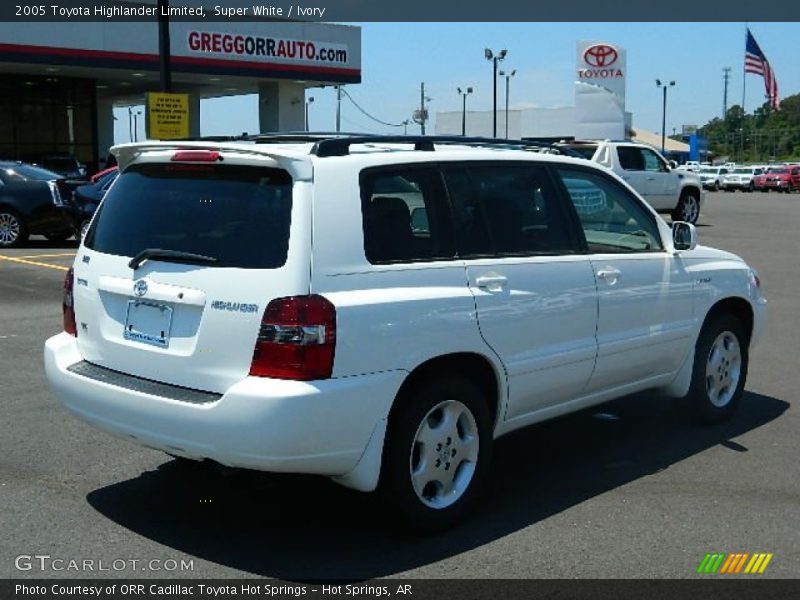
(723,369)
(9,229)
(444,454)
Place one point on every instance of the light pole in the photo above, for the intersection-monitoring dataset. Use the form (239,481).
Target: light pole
(508,77)
(495,58)
(464,95)
(664,87)
(308,102)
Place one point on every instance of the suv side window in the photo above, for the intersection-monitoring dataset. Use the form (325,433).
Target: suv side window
(652,162)
(630,158)
(507,210)
(405,215)
(611,218)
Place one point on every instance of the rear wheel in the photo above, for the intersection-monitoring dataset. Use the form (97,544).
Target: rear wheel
(688,208)
(751,187)
(12,229)
(437,452)
(84,228)
(720,370)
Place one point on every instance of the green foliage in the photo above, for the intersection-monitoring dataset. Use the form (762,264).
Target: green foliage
(762,136)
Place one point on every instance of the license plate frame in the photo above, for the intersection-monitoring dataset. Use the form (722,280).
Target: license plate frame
(148,322)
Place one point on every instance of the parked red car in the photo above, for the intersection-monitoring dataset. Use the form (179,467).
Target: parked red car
(784,179)
(100,174)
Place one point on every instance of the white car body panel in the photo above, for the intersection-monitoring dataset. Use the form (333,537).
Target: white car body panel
(557,336)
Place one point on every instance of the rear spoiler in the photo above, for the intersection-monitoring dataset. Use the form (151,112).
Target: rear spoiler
(299,167)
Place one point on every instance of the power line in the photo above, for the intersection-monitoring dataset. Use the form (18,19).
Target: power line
(366,114)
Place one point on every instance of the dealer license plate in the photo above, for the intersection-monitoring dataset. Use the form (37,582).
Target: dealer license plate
(148,323)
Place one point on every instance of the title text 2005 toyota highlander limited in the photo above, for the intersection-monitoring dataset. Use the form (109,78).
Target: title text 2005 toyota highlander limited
(378,310)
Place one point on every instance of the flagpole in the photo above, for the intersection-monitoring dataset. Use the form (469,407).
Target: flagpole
(744,69)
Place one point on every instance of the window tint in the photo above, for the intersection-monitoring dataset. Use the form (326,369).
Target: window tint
(652,162)
(507,210)
(630,158)
(238,215)
(611,218)
(405,216)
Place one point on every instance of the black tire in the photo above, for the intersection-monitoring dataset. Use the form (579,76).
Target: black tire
(83,229)
(418,406)
(715,187)
(751,187)
(60,236)
(13,231)
(698,404)
(680,212)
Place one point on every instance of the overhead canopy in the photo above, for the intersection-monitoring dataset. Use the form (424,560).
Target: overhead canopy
(654,139)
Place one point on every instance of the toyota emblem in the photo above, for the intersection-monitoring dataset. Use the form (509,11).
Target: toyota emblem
(600,55)
(140,287)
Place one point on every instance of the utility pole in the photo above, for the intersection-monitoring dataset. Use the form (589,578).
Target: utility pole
(164,46)
(726,75)
(422,107)
(338,108)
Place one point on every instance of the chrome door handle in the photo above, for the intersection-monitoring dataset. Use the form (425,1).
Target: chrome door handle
(492,282)
(609,275)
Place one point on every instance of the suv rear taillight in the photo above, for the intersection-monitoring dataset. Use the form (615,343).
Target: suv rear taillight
(67,306)
(297,339)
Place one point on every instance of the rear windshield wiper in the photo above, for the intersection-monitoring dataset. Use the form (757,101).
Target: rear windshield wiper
(169,256)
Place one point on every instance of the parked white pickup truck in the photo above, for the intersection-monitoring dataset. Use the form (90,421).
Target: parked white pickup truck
(667,190)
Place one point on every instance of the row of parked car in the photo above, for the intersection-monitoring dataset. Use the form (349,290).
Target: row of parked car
(36,200)
(781,178)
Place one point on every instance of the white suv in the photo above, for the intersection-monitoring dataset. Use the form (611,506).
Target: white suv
(378,310)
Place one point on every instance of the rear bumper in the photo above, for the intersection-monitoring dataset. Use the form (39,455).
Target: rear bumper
(320,427)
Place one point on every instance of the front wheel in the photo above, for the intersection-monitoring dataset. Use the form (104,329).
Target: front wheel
(720,370)
(751,188)
(12,229)
(688,208)
(437,452)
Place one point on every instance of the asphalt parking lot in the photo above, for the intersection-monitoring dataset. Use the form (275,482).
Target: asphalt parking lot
(626,490)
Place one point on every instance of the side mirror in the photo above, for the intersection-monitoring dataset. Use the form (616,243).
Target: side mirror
(684,236)
(673,164)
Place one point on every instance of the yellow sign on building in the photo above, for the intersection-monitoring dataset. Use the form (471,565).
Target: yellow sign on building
(167,116)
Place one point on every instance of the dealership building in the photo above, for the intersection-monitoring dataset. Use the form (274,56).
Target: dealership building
(61,81)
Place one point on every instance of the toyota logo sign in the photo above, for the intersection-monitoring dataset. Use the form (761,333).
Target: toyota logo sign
(140,288)
(600,55)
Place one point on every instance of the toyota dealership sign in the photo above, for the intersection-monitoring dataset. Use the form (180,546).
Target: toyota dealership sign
(600,91)
(602,64)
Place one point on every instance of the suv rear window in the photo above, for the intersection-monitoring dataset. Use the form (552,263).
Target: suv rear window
(237,214)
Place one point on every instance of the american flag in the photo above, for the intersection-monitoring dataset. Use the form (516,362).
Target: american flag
(756,63)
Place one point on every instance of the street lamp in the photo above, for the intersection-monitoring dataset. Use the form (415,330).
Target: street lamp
(664,87)
(464,95)
(308,102)
(508,76)
(495,58)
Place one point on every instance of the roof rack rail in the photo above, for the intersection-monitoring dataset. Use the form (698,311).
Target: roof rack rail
(340,146)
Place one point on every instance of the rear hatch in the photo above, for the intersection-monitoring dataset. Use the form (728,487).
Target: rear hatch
(239,235)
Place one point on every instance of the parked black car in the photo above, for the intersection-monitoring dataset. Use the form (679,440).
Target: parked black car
(66,165)
(86,199)
(32,201)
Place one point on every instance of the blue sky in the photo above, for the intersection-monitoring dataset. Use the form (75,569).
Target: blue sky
(396,57)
